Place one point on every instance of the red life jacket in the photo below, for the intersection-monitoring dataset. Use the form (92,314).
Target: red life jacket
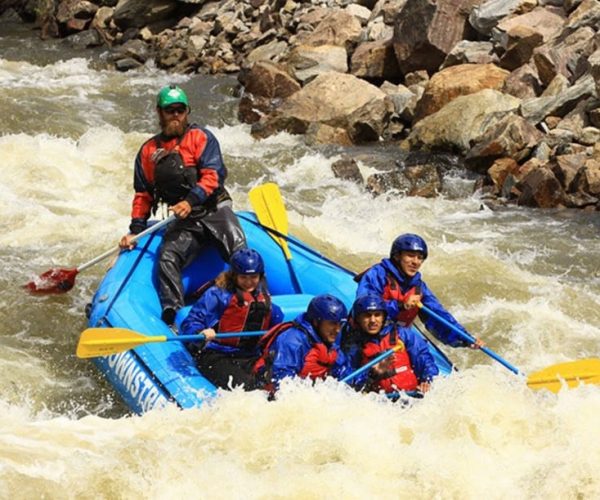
(402,377)
(392,291)
(265,343)
(317,362)
(245,313)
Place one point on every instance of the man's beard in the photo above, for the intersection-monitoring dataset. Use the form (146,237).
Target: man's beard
(173,128)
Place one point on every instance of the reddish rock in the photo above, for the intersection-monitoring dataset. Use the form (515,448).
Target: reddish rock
(268,80)
(523,82)
(565,168)
(375,61)
(540,188)
(500,170)
(521,41)
(587,179)
(456,81)
(426,31)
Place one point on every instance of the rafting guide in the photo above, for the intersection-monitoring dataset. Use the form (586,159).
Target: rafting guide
(182,166)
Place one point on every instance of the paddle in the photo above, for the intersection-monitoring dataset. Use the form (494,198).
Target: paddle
(96,342)
(470,339)
(270,211)
(374,361)
(573,373)
(62,280)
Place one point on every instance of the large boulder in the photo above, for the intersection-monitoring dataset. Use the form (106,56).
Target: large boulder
(540,188)
(536,109)
(567,55)
(511,137)
(455,81)
(265,85)
(138,13)
(336,28)
(307,61)
(426,31)
(338,100)
(375,61)
(460,122)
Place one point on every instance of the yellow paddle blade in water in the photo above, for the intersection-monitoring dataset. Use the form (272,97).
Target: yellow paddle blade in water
(96,342)
(572,373)
(270,210)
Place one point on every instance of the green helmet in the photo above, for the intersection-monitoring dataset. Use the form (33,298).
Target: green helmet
(171,95)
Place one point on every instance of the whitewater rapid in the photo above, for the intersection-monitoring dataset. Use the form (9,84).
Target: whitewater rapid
(527,282)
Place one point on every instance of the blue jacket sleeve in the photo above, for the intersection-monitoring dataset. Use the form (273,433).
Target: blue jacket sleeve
(421,359)
(439,330)
(289,350)
(206,312)
(373,282)
(348,361)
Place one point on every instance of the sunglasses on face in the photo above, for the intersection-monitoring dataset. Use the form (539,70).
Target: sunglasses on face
(171,110)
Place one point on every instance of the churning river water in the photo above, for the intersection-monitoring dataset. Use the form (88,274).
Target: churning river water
(526,281)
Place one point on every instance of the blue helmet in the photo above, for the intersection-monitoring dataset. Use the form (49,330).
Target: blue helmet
(409,243)
(326,307)
(369,302)
(247,261)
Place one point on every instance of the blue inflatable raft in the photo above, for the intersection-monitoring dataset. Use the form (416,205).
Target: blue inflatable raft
(153,375)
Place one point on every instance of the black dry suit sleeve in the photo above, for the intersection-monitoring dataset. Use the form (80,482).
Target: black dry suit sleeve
(137,226)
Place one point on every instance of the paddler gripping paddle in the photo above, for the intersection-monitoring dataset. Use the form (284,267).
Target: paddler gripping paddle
(96,342)
(573,373)
(58,280)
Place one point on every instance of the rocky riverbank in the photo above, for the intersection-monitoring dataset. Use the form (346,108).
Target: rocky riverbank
(509,86)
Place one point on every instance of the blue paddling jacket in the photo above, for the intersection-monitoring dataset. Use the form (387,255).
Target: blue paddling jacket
(226,311)
(289,353)
(378,280)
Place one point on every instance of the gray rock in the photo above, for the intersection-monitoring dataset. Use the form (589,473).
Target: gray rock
(486,15)
(461,121)
(468,52)
(536,109)
(306,62)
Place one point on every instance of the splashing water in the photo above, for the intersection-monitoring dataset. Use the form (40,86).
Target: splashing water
(527,282)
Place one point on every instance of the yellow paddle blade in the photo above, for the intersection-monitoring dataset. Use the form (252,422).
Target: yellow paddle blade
(270,210)
(96,342)
(585,371)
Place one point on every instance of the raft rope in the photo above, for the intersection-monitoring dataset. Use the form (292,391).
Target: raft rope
(124,282)
(296,242)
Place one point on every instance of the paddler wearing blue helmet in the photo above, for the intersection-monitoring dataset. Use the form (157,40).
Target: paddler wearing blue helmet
(308,347)
(398,281)
(238,300)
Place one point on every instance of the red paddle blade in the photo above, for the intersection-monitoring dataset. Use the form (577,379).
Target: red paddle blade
(53,281)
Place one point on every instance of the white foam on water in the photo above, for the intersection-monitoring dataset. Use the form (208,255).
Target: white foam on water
(509,276)
(481,433)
